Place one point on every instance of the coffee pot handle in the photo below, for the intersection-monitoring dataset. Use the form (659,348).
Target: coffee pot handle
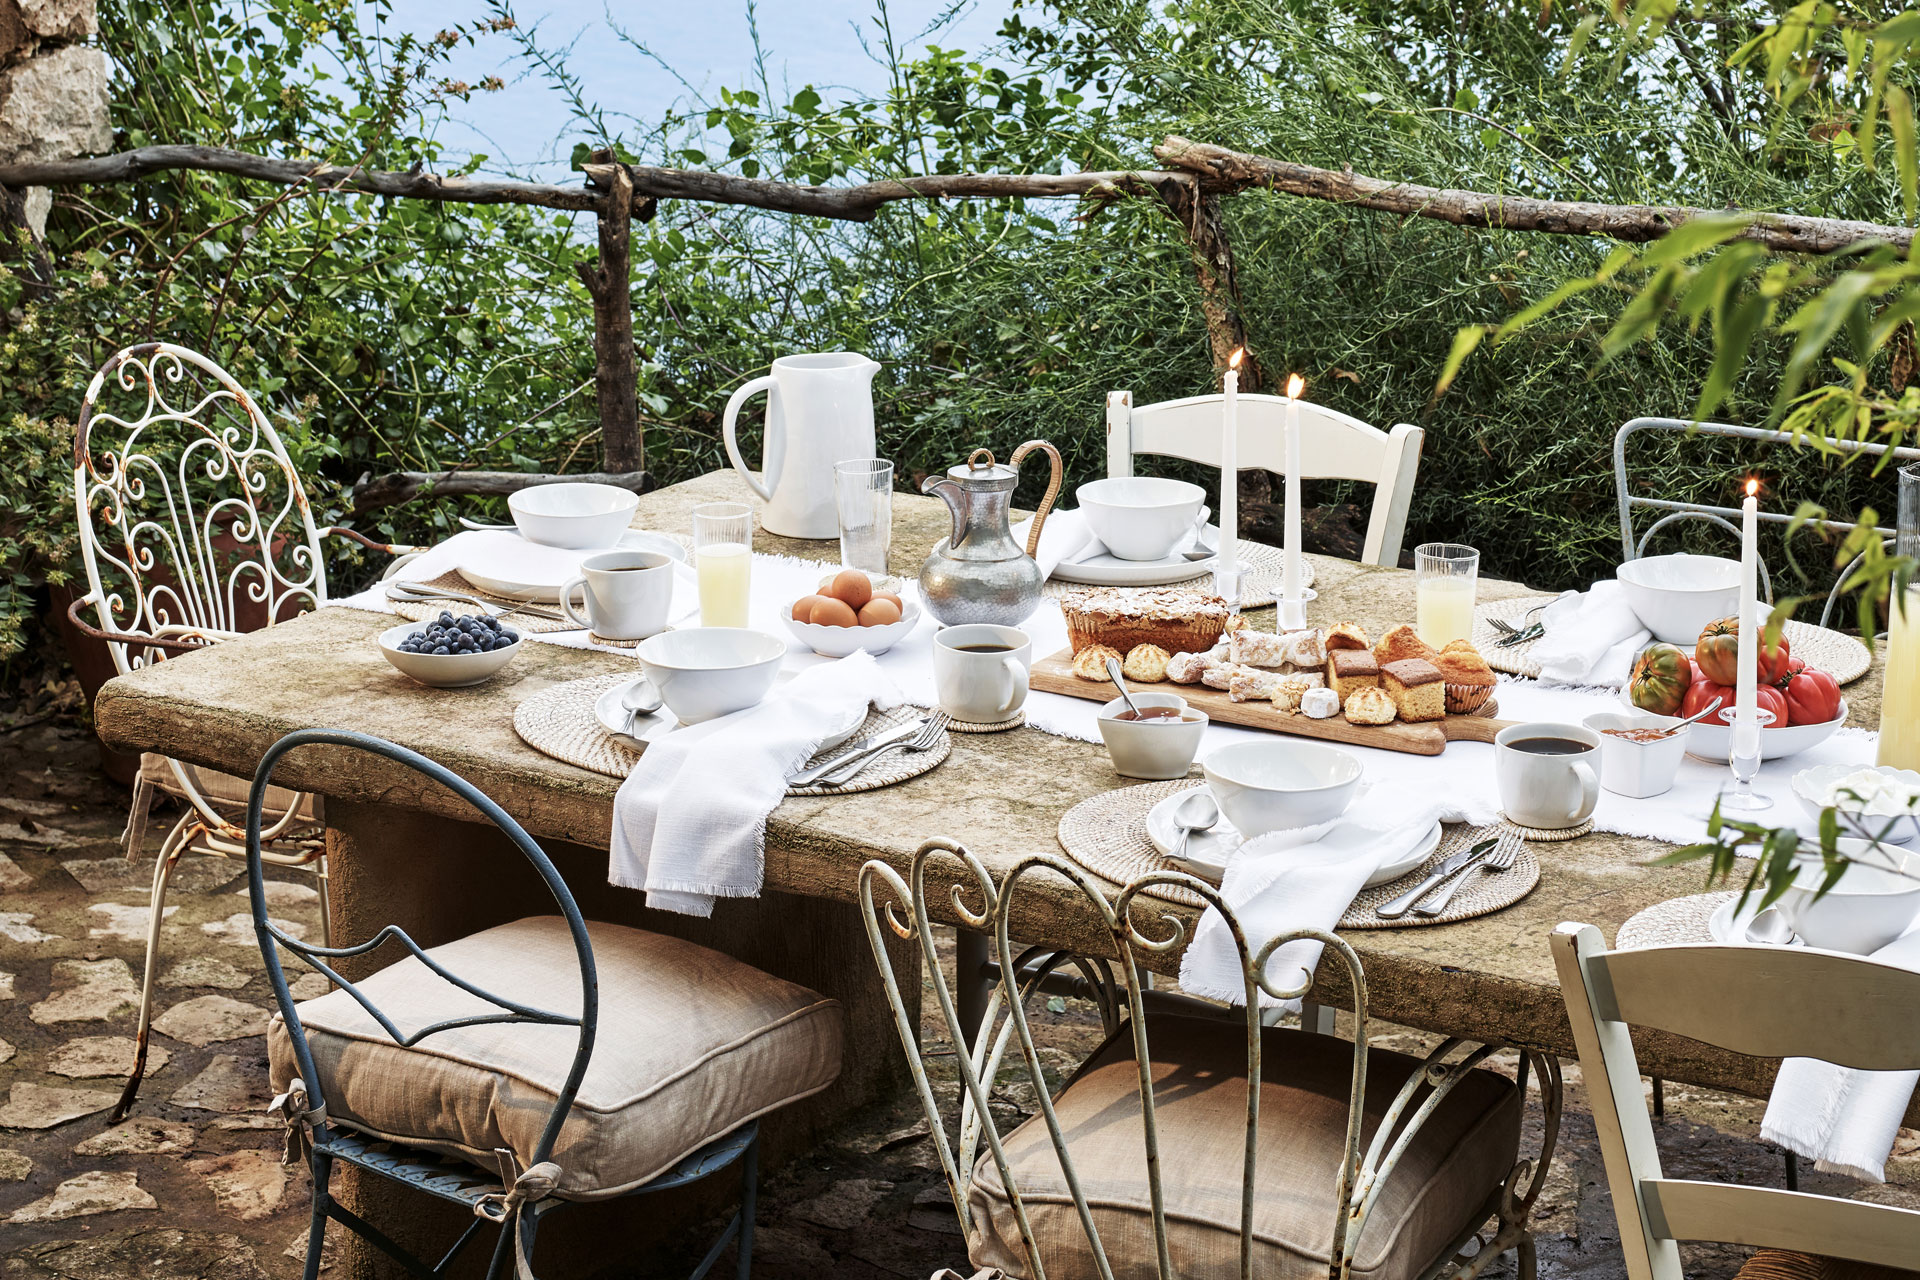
(768,384)
(1053,488)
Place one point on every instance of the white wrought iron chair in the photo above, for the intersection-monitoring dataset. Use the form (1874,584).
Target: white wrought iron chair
(1773,1002)
(194,529)
(1195,1142)
(1333,446)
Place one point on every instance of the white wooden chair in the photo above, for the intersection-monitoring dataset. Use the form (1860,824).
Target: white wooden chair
(194,529)
(1333,446)
(1773,1002)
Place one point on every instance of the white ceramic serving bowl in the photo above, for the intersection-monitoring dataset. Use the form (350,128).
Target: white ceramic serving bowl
(1284,783)
(706,672)
(1678,595)
(1638,769)
(1710,741)
(1153,749)
(838,642)
(1140,517)
(1867,908)
(573,514)
(1813,785)
(443,671)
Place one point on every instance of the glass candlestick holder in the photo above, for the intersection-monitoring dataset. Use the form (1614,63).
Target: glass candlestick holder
(1744,761)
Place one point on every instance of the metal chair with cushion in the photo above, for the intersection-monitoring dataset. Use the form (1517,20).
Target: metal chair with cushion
(194,529)
(597,1061)
(1333,446)
(1195,1142)
(1773,1002)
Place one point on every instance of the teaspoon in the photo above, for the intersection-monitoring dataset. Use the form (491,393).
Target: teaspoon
(1113,674)
(1770,927)
(639,699)
(1197,812)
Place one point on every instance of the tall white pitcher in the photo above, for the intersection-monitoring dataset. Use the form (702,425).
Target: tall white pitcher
(819,412)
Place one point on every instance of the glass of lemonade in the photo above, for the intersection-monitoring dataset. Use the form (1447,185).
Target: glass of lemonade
(1446,575)
(723,557)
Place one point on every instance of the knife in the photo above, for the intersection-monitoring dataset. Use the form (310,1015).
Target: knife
(1453,866)
(861,749)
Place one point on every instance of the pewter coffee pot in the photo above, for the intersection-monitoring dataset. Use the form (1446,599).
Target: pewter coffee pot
(979,573)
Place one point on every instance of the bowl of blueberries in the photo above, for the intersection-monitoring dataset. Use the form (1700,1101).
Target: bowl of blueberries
(452,651)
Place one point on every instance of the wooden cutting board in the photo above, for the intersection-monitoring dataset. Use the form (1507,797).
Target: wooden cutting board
(1055,675)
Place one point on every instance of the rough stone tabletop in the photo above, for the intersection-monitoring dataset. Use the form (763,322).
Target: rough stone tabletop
(1000,794)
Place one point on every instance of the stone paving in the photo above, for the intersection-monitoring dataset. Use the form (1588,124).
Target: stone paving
(192,1188)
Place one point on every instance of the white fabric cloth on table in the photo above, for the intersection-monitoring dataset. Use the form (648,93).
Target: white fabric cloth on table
(690,821)
(1843,1119)
(1589,637)
(1066,538)
(1300,879)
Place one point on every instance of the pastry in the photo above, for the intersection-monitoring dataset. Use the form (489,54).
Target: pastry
(1221,674)
(1403,642)
(1469,679)
(1418,690)
(1252,648)
(1351,669)
(1187,668)
(1348,635)
(1146,663)
(1306,649)
(1091,662)
(1370,705)
(1122,617)
(1289,690)
(1320,704)
(1250,684)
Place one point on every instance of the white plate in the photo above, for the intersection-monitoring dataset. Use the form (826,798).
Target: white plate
(1208,852)
(1112,571)
(1723,925)
(613,718)
(507,565)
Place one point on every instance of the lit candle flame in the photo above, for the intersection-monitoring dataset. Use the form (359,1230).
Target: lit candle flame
(1295,385)
(1233,361)
(1753,486)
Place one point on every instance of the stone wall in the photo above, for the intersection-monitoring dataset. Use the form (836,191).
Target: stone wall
(53,89)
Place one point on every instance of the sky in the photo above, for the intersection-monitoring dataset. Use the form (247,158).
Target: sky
(527,129)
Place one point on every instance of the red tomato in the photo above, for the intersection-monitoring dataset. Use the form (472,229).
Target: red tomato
(1703,691)
(1718,651)
(1813,696)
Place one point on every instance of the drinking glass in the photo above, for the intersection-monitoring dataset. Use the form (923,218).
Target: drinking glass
(1445,577)
(723,556)
(863,494)
(1900,697)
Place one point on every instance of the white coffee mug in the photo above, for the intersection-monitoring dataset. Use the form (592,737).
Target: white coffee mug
(628,594)
(1545,773)
(980,671)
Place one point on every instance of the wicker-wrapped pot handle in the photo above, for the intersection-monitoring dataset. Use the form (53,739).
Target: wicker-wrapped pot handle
(1053,487)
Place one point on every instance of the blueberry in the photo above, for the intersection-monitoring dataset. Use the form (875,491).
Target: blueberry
(446,618)
(442,651)
(512,637)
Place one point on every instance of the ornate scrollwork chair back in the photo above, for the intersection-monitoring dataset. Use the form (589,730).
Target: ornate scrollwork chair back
(1123,1170)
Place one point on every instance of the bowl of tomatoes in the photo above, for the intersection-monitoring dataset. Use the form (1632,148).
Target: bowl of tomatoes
(1800,706)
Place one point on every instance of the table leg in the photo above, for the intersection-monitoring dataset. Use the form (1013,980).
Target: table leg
(1317,1018)
(972,952)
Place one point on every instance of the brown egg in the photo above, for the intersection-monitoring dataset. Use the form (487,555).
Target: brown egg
(804,606)
(898,603)
(852,586)
(879,612)
(833,613)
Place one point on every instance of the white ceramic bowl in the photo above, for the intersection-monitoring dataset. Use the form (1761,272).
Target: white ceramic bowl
(1154,749)
(573,514)
(1900,822)
(838,642)
(1678,595)
(707,672)
(1140,517)
(1711,741)
(444,671)
(1869,907)
(1284,783)
(1638,769)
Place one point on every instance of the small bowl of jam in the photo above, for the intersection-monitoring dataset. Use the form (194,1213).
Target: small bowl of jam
(1638,756)
(1157,743)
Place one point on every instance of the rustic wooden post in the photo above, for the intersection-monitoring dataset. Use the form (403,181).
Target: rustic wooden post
(615,376)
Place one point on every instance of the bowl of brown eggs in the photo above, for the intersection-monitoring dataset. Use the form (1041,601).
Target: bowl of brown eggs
(850,612)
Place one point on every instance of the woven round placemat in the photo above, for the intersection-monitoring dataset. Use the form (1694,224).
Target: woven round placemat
(970,726)
(1261,569)
(558,721)
(1545,835)
(1673,923)
(1834,652)
(1107,835)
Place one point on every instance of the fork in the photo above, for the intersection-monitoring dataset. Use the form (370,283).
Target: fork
(1511,635)
(1501,859)
(420,593)
(929,734)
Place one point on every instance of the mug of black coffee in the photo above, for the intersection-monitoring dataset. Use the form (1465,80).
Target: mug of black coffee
(980,671)
(1546,774)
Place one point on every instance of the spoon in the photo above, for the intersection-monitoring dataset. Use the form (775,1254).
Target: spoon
(1113,674)
(1199,550)
(1708,710)
(1770,927)
(639,699)
(1197,811)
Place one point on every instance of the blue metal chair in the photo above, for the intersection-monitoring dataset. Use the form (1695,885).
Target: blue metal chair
(513,1202)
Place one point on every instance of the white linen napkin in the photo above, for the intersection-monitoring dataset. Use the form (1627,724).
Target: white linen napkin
(1843,1119)
(690,821)
(1065,538)
(1590,638)
(1300,879)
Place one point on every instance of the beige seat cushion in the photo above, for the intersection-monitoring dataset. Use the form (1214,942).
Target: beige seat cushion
(226,791)
(1779,1264)
(1434,1194)
(692,1044)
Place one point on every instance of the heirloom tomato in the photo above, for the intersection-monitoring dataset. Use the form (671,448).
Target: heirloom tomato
(1661,677)
(1718,653)
(1704,690)
(1813,696)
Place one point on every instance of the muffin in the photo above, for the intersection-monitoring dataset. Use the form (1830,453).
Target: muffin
(1122,617)
(1469,679)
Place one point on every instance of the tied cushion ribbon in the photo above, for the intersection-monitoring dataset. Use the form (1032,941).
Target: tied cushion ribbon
(519,1207)
(300,1119)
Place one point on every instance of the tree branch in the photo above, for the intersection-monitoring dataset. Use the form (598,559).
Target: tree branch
(373,492)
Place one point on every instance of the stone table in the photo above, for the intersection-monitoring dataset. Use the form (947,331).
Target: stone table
(408,853)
